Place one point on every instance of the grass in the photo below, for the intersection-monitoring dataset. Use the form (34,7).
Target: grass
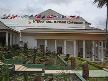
(79,62)
(98,79)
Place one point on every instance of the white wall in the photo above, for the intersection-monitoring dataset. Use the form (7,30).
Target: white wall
(51,45)
(40,42)
(70,49)
(30,40)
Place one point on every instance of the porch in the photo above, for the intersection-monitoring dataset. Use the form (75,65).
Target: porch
(91,50)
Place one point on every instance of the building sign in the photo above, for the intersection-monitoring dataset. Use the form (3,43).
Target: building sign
(58,21)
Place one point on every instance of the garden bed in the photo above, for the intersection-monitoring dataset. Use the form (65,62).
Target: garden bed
(79,62)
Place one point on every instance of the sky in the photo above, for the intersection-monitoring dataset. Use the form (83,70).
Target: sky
(84,8)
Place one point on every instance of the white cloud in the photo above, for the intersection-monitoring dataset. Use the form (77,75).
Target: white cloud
(84,8)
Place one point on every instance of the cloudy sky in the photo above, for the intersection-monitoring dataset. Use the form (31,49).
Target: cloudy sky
(83,8)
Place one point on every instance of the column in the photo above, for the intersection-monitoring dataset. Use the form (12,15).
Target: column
(21,43)
(36,43)
(99,50)
(14,39)
(65,47)
(10,39)
(84,49)
(20,36)
(55,46)
(6,38)
(102,51)
(75,54)
(93,51)
(45,45)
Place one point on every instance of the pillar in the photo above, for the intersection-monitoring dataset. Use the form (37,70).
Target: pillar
(55,46)
(14,39)
(84,49)
(93,51)
(65,47)
(75,48)
(20,36)
(10,39)
(102,51)
(6,38)
(45,45)
(99,50)
(36,43)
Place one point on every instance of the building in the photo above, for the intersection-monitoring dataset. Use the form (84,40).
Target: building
(58,33)
(8,36)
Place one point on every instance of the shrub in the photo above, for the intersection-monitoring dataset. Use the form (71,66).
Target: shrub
(37,78)
(25,46)
(92,63)
(67,57)
(73,62)
(85,70)
(15,47)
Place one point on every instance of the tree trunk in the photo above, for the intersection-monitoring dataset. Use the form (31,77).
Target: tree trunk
(107,21)
(107,32)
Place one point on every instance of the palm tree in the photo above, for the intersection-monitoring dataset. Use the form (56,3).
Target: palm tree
(102,3)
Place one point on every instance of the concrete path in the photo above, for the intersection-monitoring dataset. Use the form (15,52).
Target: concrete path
(92,73)
(23,68)
(105,69)
(1,63)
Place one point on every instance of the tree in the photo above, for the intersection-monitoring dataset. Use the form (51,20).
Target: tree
(102,3)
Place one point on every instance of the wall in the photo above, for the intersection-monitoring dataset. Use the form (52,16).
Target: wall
(70,48)
(30,40)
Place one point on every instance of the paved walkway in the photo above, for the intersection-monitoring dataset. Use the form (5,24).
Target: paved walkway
(23,68)
(92,73)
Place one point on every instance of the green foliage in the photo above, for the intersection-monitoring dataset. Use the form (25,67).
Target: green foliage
(37,78)
(73,62)
(67,57)
(5,73)
(25,46)
(98,79)
(15,47)
(101,3)
(91,63)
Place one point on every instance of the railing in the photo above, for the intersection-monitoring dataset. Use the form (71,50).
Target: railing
(80,77)
(61,62)
(34,65)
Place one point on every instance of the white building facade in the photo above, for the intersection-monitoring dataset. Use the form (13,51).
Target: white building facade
(57,33)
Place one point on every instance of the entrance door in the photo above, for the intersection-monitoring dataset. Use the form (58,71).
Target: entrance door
(42,48)
(59,50)
(2,38)
(80,53)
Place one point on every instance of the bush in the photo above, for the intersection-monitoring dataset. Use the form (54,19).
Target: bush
(67,57)
(92,63)
(85,70)
(37,78)
(73,62)
(16,46)
(25,46)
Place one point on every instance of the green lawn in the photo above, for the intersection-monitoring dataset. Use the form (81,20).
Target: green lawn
(98,79)
(79,62)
